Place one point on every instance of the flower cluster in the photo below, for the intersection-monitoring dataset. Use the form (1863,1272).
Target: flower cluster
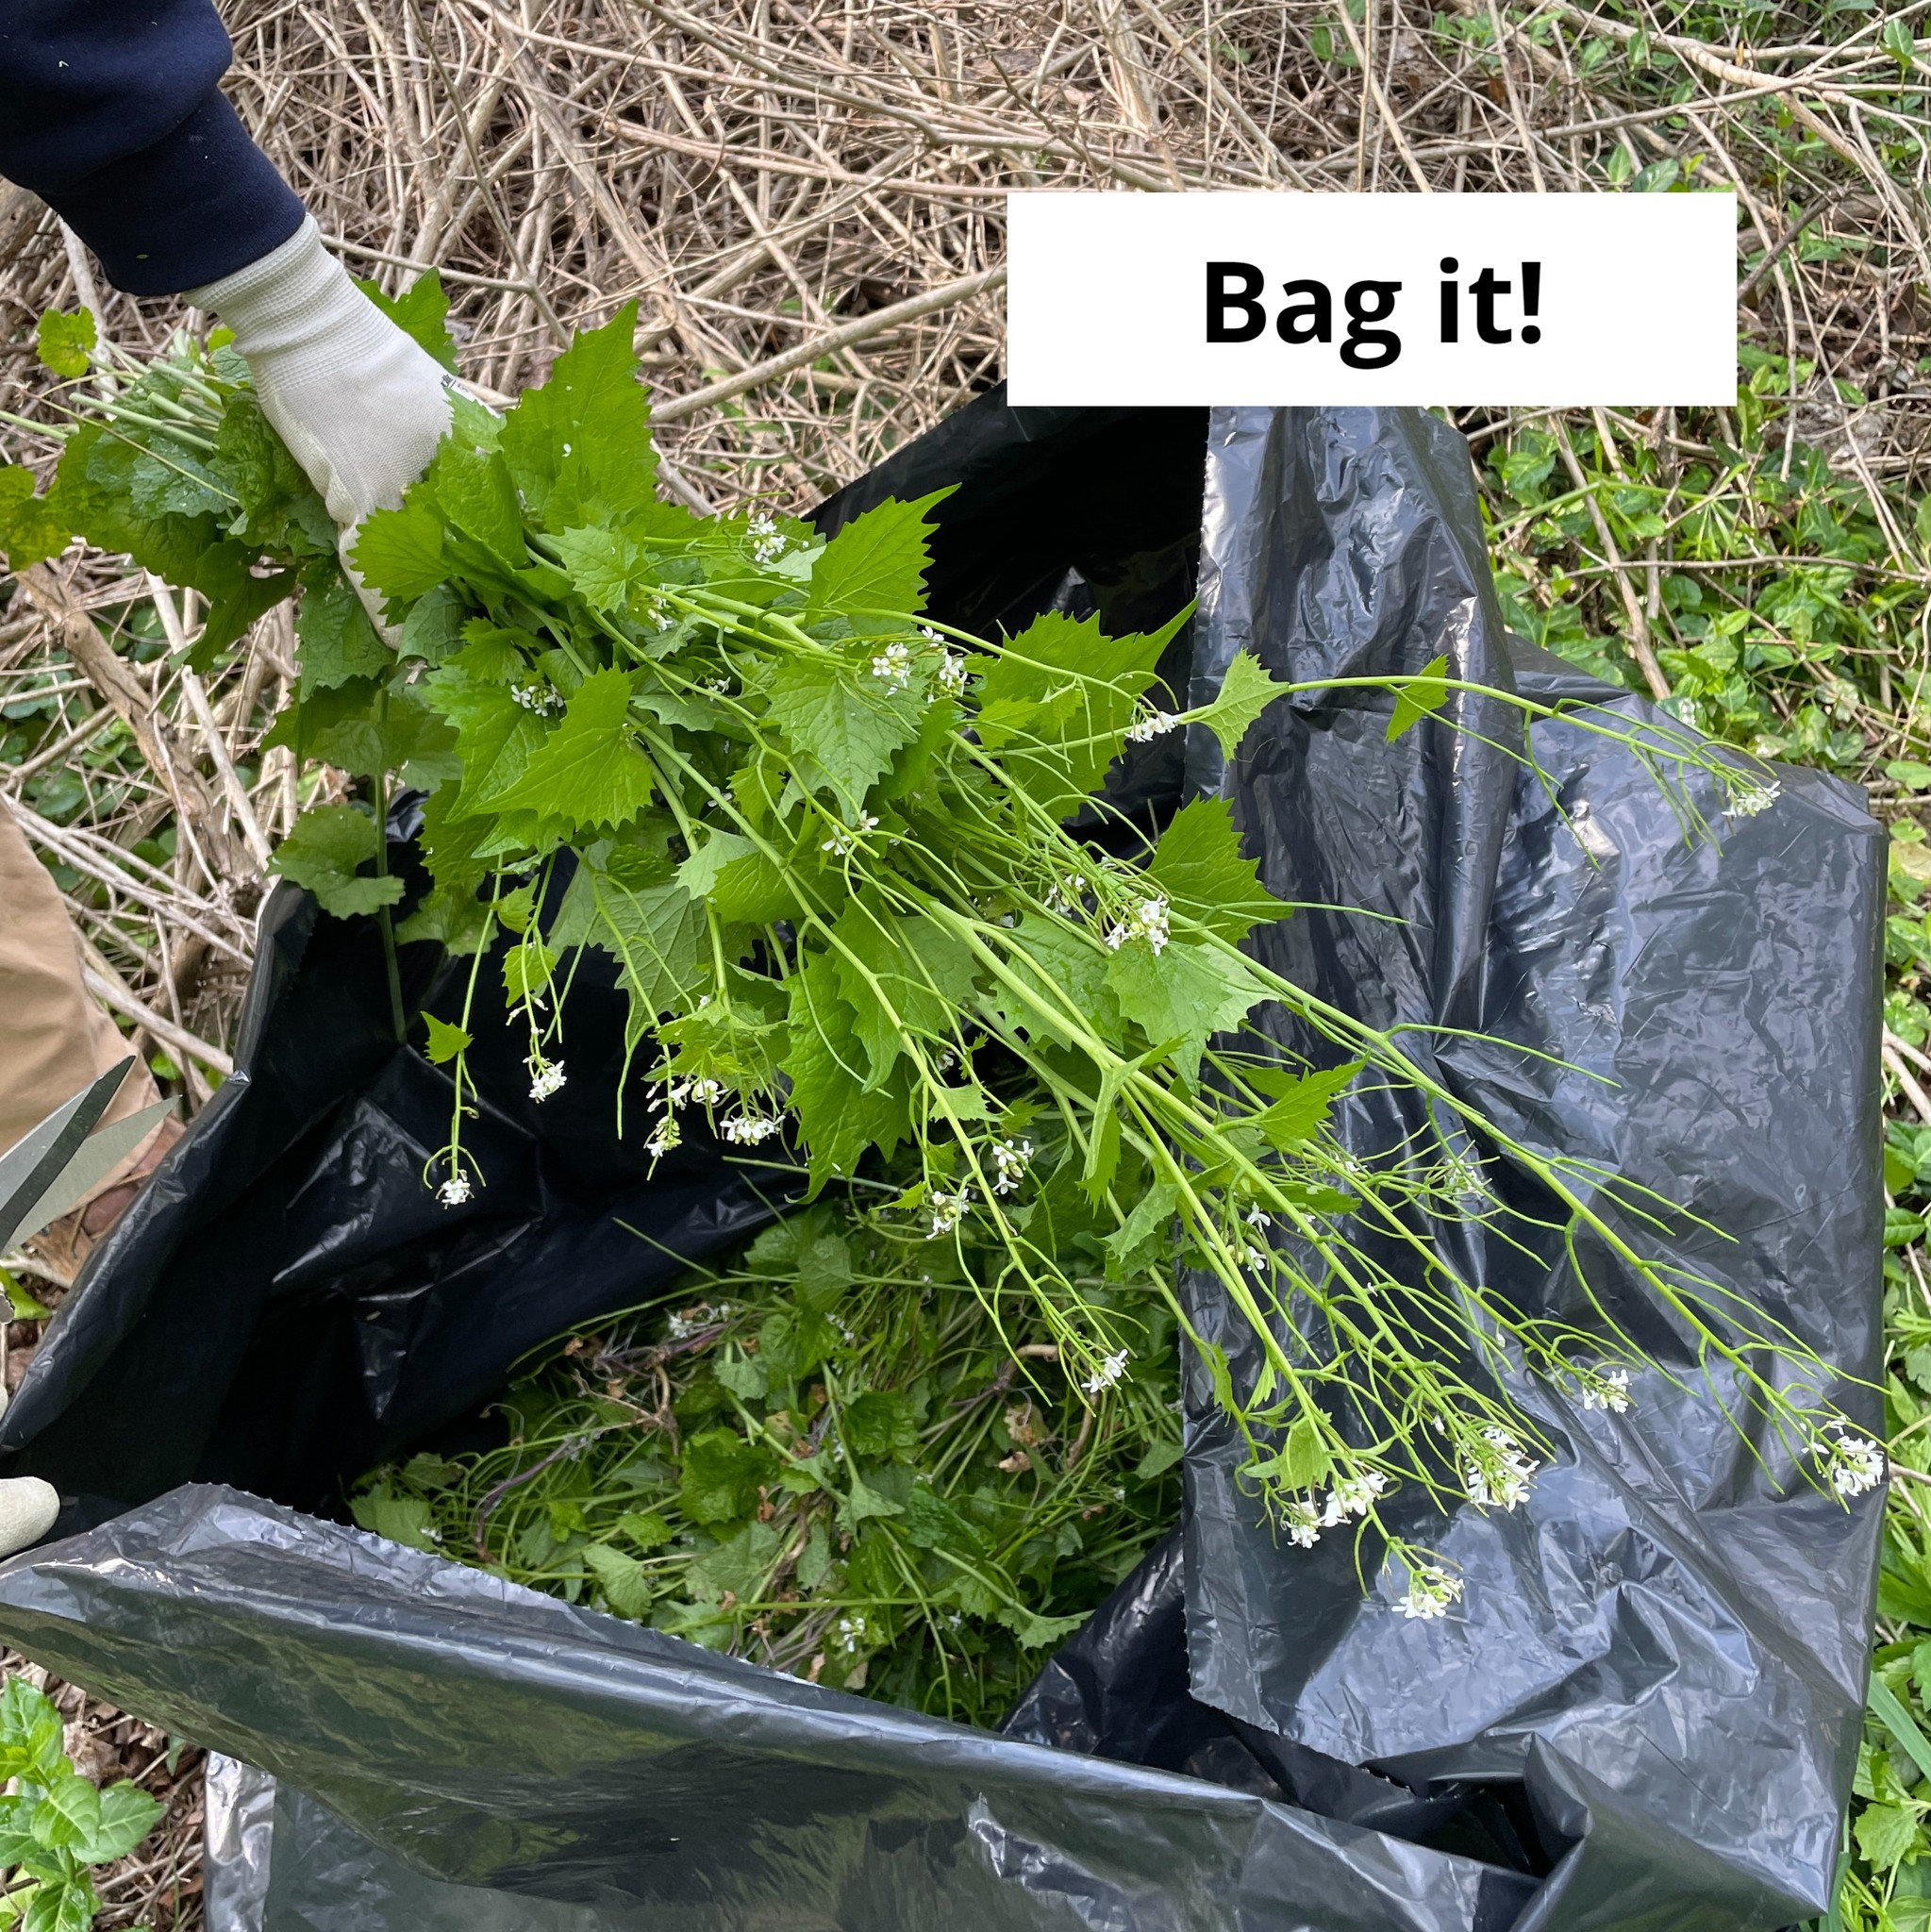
(1750,796)
(1108,1372)
(1609,1390)
(699,1092)
(952,673)
(1148,922)
(1851,1463)
(768,541)
(682,1324)
(454,1191)
(665,1135)
(844,838)
(538,698)
(852,1632)
(1068,895)
(943,1211)
(894,666)
(1498,1476)
(546,1076)
(1010,1160)
(749,1129)
(1305,1517)
(1352,1495)
(1154,725)
(1431,1591)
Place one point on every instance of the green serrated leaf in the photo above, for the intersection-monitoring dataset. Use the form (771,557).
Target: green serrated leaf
(877,562)
(624,1581)
(601,564)
(65,343)
(1144,1235)
(336,640)
(324,853)
(400,551)
(445,1041)
(477,496)
(579,446)
(1419,698)
(588,772)
(1886,1834)
(1056,703)
(32,527)
(1301,1105)
(847,723)
(698,874)
(421,312)
(1245,692)
(1181,997)
(526,970)
(69,1810)
(1198,866)
(840,1115)
(719,1476)
(495,737)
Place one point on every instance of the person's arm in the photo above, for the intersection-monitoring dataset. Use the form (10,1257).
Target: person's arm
(111,111)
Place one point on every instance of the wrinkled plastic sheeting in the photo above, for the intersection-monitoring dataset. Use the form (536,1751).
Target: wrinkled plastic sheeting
(1666,1644)
(237,1842)
(482,1737)
(288,1302)
(1646,1705)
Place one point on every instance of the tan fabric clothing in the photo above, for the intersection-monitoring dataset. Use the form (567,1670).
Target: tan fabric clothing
(54,1039)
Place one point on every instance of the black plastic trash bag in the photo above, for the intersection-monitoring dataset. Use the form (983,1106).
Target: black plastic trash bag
(1644,1710)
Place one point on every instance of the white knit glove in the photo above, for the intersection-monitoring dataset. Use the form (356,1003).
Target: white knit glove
(360,405)
(28,1509)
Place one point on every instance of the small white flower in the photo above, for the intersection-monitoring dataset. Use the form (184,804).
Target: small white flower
(1256,1258)
(894,666)
(1499,1477)
(943,1211)
(546,1077)
(1749,796)
(703,1092)
(454,1191)
(718,687)
(1068,896)
(1431,1591)
(537,698)
(665,1135)
(749,1129)
(850,1633)
(844,838)
(1611,1392)
(944,1060)
(768,543)
(1352,1495)
(1108,1372)
(951,672)
(1148,922)
(682,1325)
(931,635)
(1258,1218)
(1010,1160)
(1302,1523)
(1853,1463)
(1154,725)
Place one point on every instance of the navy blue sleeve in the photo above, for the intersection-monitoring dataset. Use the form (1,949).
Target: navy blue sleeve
(112,112)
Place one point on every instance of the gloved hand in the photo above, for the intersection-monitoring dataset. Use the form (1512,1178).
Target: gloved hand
(360,405)
(28,1509)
